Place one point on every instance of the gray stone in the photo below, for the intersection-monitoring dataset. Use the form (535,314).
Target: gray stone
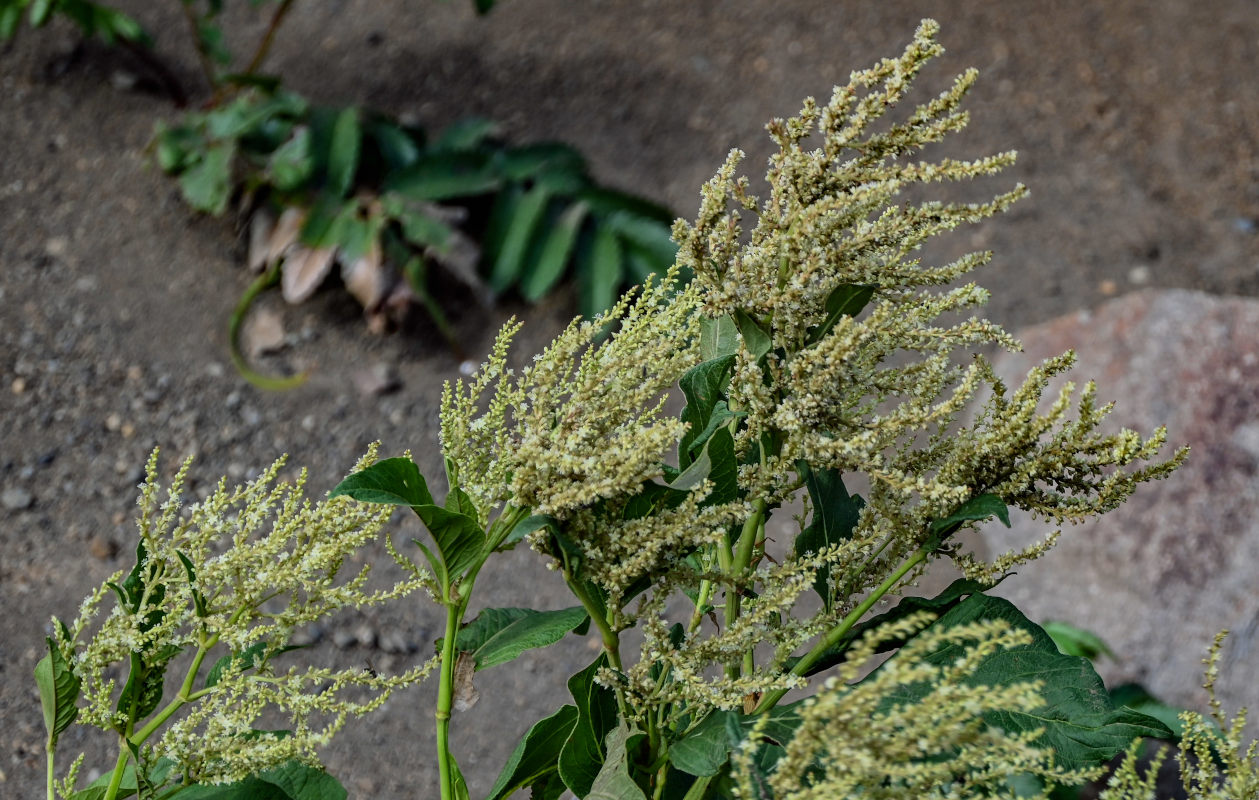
(1158,577)
(16,498)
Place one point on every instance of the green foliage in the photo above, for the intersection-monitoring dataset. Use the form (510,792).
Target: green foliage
(93,19)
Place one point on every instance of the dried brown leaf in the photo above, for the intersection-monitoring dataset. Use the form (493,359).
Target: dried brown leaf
(260,228)
(466,694)
(284,234)
(305,269)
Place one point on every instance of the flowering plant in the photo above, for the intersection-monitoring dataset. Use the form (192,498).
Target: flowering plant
(814,350)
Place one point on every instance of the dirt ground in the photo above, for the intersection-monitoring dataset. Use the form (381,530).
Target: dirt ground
(1137,125)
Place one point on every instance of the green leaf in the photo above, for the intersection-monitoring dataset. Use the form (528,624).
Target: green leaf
(530,524)
(980,507)
(535,757)
(953,594)
(248,658)
(146,681)
(444,176)
(343,152)
(704,386)
(459,538)
(1079,722)
(1138,698)
(420,228)
(540,276)
(207,185)
(40,9)
(198,599)
(707,748)
(291,780)
(716,463)
(650,236)
(397,147)
(582,756)
(755,339)
(530,161)
(600,266)
(466,135)
(845,300)
(483,6)
(835,515)
(58,691)
(717,338)
(499,635)
(393,481)
(527,215)
(319,229)
(605,202)
(291,164)
(614,781)
(1073,641)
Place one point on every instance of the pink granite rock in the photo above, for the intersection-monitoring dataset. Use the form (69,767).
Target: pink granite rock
(1180,560)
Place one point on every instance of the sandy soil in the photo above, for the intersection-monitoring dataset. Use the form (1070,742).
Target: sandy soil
(1137,125)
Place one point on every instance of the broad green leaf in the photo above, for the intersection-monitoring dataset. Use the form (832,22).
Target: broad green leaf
(717,338)
(1079,722)
(536,756)
(146,680)
(835,515)
(614,781)
(289,781)
(639,265)
(529,525)
(465,135)
(397,148)
(704,386)
(58,691)
(1073,641)
(177,147)
(502,213)
(319,228)
(755,339)
(845,300)
(582,756)
(457,500)
(506,635)
(393,481)
(291,164)
(248,658)
(1138,698)
(980,507)
(435,178)
(420,228)
(528,214)
(343,152)
(542,274)
(707,748)
(600,266)
(10,17)
(953,594)
(207,185)
(716,463)
(605,202)
(459,538)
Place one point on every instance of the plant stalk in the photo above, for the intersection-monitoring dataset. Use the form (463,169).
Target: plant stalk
(264,47)
(51,748)
(837,633)
(445,698)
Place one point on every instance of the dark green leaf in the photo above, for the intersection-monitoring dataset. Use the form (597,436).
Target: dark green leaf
(704,386)
(537,754)
(423,230)
(291,165)
(1080,723)
(523,163)
(58,691)
(601,265)
(207,185)
(319,229)
(459,538)
(605,202)
(845,300)
(343,152)
(705,750)
(198,599)
(977,508)
(953,594)
(248,658)
(582,756)
(835,515)
(444,177)
(716,463)
(393,481)
(465,135)
(483,6)
(540,276)
(1073,641)
(528,213)
(530,524)
(755,339)
(398,149)
(1138,698)
(519,629)
(651,236)
(614,781)
(457,500)
(146,680)
(717,338)
(289,781)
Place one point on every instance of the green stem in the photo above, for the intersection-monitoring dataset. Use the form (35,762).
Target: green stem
(182,698)
(836,634)
(51,748)
(263,282)
(698,789)
(705,593)
(203,55)
(598,615)
(445,697)
(736,570)
(115,779)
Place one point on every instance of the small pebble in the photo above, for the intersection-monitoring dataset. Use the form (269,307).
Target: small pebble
(56,246)
(378,379)
(102,548)
(466,368)
(215,370)
(344,639)
(309,422)
(16,499)
(1139,275)
(365,636)
(1108,287)
(395,642)
(18,386)
(113,422)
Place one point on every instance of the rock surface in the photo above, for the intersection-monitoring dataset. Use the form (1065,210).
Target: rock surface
(1178,562)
